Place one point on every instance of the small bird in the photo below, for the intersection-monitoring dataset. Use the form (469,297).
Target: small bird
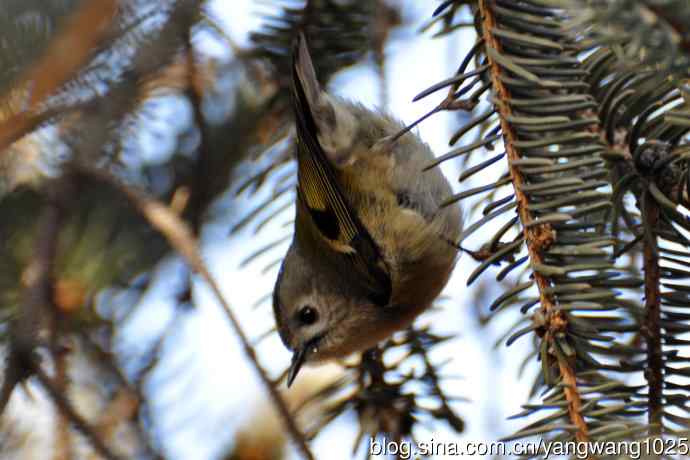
(372,247)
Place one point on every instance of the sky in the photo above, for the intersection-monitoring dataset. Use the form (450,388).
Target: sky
(219,391)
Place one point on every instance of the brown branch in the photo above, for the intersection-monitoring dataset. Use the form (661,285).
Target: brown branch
(37,299)
(537,238)
(572,395)
(63,439)
(104,358)
(66,409)
(37,279)
(8,384)
(651,330)
(62,449)
(123,407)
(62,59)
(182,239)
(434,378)
(651,327)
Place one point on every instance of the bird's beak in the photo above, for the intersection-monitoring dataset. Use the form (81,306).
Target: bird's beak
(297,361)
(299,357)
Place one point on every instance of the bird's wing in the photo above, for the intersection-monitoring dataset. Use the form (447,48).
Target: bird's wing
(322,197)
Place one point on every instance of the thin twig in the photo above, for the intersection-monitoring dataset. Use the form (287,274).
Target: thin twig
(105,359)
(9,382)
(124,406)
(385,18)
(651,330)
(56,324)
(200,190)
(66,409)
(38,297)
(537,237)
(435,380)
(37,291)
(180,236)
(62,59)
(62,449)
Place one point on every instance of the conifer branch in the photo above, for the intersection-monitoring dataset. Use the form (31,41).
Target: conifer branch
(538,238)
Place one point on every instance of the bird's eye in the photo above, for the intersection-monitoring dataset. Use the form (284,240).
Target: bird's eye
(308,315)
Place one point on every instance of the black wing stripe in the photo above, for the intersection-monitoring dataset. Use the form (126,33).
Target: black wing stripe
(326,221)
